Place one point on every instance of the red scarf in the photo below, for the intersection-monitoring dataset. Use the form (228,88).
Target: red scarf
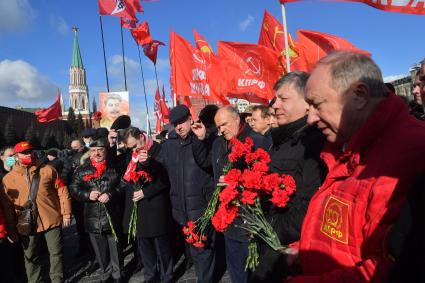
(130,173)
(99,167)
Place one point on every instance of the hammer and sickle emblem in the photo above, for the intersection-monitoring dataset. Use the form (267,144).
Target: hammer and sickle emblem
(254,66)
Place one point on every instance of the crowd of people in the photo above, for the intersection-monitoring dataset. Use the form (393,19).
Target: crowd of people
(354,149)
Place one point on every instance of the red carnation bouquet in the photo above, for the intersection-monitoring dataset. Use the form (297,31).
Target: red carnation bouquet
(139,179)
(247,182)
(95,180)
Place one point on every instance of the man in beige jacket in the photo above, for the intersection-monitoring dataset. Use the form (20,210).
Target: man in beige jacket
(53,206)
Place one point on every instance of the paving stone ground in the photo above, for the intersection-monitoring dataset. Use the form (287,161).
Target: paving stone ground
(77,268)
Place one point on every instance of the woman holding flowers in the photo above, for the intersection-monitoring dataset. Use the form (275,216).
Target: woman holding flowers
(147,214)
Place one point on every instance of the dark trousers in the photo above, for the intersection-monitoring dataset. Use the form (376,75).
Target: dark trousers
(236,255)
(153,251)
(108,255)
(31,244)
(204,261)
(83,236)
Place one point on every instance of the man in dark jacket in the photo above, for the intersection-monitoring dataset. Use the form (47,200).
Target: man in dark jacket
(229,125)
(97,185)
(191,186)
(296,152)
(153,208)
(70,165)
(261,122)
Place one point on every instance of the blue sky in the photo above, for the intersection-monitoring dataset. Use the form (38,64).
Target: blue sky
(36,41)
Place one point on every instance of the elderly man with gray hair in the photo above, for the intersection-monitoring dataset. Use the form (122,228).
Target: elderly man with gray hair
(371,168)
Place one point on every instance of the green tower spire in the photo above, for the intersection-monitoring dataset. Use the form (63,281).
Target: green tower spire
(76,55)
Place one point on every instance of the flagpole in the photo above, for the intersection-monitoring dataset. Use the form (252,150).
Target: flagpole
(148,126)
(156,76)
(144,90)
(123,61)
(285,31)
(104,54)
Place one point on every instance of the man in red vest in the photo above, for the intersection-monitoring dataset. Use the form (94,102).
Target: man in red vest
(371,168)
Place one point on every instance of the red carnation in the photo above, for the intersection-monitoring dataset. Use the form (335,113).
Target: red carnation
(260,167)
(289,183)
(239,149)
(271,182)
(280,198)
(190,240)
(248,197)
(88,177)
(145,175)
(228,194)
(224,217)
(259,155)
(232,176)
(198,244)
(249,142)
(251,179)
(262,155)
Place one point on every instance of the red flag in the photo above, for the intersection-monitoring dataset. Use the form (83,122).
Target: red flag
(164,107)
(251,68)
(401,6)
(193,72)
(128,23)
(50,114)
(206,49)
(315,45)
(272,36)
(202,44)
(158,126)
(157,107)
(120,8)
(161,109)
(141,34)
(151,50)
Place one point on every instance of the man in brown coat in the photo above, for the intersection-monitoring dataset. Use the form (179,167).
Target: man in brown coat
(52,209)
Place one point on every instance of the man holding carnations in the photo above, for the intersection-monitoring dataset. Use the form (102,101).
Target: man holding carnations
(147,192)
(96,184)
(230,126)
(191,187)
(296,152)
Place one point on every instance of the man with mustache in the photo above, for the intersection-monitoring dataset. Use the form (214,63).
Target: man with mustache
(112,109)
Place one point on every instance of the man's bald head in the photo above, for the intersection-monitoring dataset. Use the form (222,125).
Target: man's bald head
(228,122)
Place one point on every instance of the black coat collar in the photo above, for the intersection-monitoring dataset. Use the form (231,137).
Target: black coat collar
(292,130)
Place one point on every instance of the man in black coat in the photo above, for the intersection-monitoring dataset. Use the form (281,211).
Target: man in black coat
(96,184)
(296,152)
(153,209)
(229,125)
(191,186)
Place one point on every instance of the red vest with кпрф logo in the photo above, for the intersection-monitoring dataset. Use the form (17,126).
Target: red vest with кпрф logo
(344,232)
